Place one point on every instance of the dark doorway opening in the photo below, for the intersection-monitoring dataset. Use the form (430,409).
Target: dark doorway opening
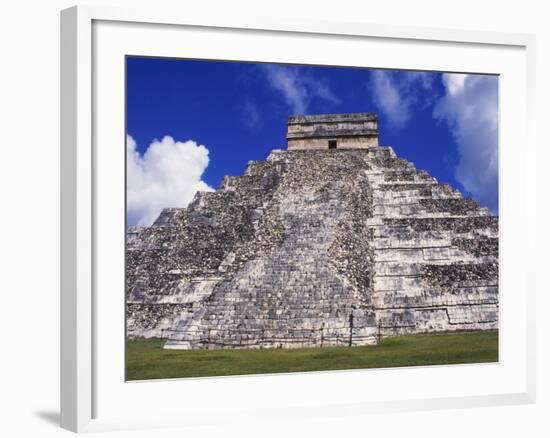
(332,144)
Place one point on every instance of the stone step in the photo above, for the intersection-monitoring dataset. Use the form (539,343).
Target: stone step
(419,255)
(340,233)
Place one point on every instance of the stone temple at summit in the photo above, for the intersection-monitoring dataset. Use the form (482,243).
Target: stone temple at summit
(333,241)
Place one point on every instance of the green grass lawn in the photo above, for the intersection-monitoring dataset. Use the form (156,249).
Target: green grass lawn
(148,360)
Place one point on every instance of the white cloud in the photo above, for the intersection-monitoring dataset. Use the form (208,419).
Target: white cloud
(470,108)
(298,89)
(397,93)
(454,83)
(168,174)
(251,114)
(322,90)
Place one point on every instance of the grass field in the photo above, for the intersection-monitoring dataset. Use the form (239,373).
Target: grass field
(148,360)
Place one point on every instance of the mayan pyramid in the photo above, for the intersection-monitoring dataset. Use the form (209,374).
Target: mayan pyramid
(333,241)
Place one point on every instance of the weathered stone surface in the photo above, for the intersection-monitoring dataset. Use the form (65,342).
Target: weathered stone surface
(345,131)
(315,248)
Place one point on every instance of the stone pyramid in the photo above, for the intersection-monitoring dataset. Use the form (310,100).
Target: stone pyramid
(334,241)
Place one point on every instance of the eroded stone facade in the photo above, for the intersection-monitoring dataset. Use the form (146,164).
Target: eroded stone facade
(340,131)
(315,248)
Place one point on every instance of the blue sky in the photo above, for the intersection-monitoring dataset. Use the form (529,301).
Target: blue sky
(189,123)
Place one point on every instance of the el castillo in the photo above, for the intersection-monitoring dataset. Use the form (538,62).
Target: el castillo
(333,241)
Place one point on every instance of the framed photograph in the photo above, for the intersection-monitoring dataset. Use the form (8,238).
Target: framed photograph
(349,213)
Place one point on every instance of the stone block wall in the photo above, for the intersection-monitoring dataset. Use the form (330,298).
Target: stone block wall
(345,131)
(359,142)
(315,248)
(436,253)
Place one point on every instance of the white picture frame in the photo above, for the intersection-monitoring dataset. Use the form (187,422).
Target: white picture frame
(85,374)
